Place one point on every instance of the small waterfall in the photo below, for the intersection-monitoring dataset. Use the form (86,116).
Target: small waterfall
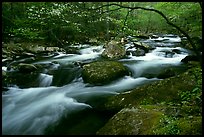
(45,80)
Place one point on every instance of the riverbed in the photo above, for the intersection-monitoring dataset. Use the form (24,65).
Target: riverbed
(61,103)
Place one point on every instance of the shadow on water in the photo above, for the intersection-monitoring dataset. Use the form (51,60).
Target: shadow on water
(85,122)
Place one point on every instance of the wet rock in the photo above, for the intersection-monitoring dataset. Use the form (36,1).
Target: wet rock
(142,36)
(64,76)
(136,52)
(153,93)
(154,36)
(176,51)
(23,67)
(164,72)
(143,46)
(114,50)
(169,54)
(190,58)
(71,50)
(170,72)
(22,79)
(102,72)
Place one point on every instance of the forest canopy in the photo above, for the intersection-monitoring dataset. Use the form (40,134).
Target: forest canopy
(63,23)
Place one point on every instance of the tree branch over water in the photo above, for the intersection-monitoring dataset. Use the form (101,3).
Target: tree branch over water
(158,12)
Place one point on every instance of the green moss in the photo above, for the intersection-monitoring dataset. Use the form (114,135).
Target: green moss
(132,121)
(155,120)
(102,72)
(159,106)
(190,126)
(155,93)
(183,126)
(167,127)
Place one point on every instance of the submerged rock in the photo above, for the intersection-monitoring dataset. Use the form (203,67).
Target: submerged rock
(102,72)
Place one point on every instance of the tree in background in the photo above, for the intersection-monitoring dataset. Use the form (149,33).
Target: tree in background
(64,23)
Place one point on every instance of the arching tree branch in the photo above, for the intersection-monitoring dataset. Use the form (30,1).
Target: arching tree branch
(125,20)
(162,15)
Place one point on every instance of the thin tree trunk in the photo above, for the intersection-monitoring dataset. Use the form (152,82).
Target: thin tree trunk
(107,22)
(124,23)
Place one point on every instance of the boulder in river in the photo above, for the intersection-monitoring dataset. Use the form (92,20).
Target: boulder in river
(23,67)
(143,46)
(157,108)
(155,92)
(190,58)
(102,72)
(114,50)
(153,120)
(136,52)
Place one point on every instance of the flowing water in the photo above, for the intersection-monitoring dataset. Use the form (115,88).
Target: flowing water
(62,98)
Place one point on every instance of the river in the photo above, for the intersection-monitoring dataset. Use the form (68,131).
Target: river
(62,98)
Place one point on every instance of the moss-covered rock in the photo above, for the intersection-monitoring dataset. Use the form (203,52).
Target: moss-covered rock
(157,108)
(131,121)
(114,50)
(22,80)
(102,72)
(168,125)
(160,91)
(154,120)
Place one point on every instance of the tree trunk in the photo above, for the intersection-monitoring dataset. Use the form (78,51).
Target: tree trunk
(107,22)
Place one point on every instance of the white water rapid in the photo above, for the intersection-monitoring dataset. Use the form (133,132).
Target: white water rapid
(29,111)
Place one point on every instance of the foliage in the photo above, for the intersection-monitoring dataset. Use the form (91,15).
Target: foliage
(63,23)
(168,126)
(193,97)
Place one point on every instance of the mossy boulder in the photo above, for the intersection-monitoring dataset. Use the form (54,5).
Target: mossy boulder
(114,50)
(131,121)
(102,72)
(160,91)
(154,120)
(22,80)
(156,108)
